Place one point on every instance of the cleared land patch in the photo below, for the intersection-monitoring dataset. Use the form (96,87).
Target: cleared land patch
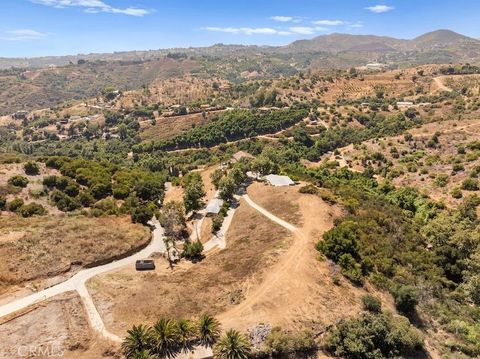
(42,247)
(282,202)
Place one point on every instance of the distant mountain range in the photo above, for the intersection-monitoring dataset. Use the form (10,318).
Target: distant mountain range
(436,46)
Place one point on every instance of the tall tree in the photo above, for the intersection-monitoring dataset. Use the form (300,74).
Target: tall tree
(194,192)
(208,330)
(165,338)
(232,345)
(138,339)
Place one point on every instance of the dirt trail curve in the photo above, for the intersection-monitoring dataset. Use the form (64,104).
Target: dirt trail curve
(77,283)
(288,261)
(440,85)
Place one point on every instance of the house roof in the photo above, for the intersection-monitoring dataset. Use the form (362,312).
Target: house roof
(278,181)
(214,206)
(241,154)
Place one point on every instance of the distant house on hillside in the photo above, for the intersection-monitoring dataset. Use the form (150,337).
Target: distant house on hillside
(279,181)
(375,66)
(239,155)
(404,104)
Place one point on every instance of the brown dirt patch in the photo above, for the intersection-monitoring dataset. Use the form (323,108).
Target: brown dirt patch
(43,247)
(281,201)
(58,326)
(174,194)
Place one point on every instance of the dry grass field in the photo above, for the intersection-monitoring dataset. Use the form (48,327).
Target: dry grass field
(167,127)
(216,284)
(265,274)
(37,248)
(281,201)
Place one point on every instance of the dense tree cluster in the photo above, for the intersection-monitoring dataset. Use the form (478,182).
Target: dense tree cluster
(231,126)
(86,183)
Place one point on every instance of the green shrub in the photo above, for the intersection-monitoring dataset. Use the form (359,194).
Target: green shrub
(338,241)
(280,343)
(37,193)
(31,209)
(64,202)
(85,198)
(470,184)
(406,298)
(308,189)
(458,167)
(18,181)
(371,303)
(31,168)
(193,251)
(217,222)
(456,193)
(375,336)
(107,206)
(15,204)
(141,215)
(441,180)
(50,181)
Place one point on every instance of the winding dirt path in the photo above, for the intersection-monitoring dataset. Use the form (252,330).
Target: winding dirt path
(438,81)
(287,292)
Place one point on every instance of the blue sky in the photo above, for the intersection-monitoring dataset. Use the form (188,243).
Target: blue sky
(60,27)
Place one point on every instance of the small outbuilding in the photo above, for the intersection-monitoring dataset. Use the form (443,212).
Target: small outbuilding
(279,181)
(214,207)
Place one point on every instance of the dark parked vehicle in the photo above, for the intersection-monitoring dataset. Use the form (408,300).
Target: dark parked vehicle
(145,264)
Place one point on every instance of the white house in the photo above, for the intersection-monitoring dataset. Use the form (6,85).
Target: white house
(279,181)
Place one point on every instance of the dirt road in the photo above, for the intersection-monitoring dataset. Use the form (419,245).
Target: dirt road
(77,283)
(438,81)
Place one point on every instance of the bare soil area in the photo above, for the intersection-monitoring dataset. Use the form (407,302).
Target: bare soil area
(57,326)
(280,201)
(38,248)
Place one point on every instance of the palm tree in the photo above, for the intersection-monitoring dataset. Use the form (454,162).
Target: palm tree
(208,329)
(165,338)
(186,333)
(137,340)
(232,345)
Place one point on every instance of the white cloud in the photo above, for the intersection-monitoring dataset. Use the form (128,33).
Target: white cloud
(244,30)
(294,30)
(282,18)
(356,25)
(379,8)
(293,19)
(23,35)
(306,30)
(329,22)
(93,6)
(303,30)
